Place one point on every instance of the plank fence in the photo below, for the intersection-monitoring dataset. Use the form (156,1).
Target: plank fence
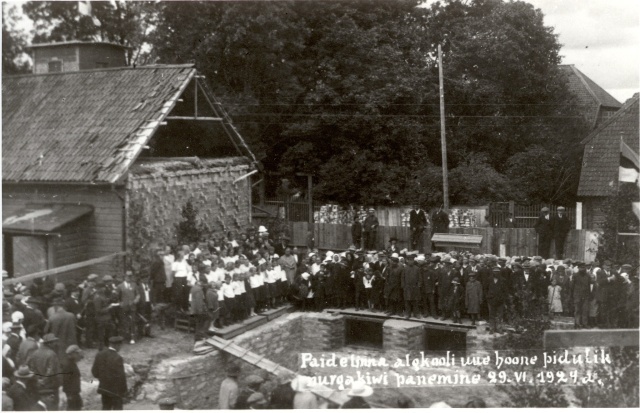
(580,244)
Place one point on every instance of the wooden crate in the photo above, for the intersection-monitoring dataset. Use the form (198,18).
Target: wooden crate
(465,242)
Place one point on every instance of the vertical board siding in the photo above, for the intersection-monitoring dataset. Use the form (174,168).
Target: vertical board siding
(103,230)
(580,244)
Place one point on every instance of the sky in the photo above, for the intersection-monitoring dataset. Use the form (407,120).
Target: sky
(600,37)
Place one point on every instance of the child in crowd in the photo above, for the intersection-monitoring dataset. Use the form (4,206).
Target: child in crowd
(554,298)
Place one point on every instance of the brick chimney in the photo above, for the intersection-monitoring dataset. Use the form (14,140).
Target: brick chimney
(76,55)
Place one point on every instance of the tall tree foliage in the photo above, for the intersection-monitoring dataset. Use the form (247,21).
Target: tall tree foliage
(348,91)
(13,43)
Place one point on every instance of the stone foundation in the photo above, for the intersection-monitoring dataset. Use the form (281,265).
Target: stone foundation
(404,336)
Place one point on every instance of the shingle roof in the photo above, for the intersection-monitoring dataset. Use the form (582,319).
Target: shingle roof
(599,175)
(85,126)
(587,92)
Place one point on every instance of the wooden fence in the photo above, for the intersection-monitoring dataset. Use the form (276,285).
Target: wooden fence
(580,244)
(525,215)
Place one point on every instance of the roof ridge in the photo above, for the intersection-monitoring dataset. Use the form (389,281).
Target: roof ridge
(586,80)
(107,69)
(625,107)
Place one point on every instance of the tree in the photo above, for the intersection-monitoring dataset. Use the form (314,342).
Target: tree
(13,44)
(128,23)
(619,218)
(348,90)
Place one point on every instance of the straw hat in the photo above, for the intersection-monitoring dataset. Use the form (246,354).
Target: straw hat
(360,389)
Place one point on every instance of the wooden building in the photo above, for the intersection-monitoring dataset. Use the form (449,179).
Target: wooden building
(79,146)
(601,161)
(595,103)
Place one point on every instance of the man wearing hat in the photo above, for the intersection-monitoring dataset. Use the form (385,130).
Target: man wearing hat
(440,220)
(370,230)
(23,391)
(359,391)
(430,274)
(411,286)
(544,229)
(45,364)
(581,292)
(496,294)
(71,377)
(101,306)
(108,368)
(228,396)
(444,288)
(417,223)
(253,388)
(393,285)
(393,246)
(62,324)
(561,227)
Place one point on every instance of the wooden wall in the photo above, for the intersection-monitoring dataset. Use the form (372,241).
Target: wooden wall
(580,244)
(593,215)
(73,243)
(104,234)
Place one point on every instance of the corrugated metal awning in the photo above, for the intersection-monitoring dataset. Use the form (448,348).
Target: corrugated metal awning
(42,219)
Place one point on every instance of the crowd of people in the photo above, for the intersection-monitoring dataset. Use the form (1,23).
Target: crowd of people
(221,281)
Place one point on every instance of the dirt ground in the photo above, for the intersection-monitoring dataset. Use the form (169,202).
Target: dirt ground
(141,355)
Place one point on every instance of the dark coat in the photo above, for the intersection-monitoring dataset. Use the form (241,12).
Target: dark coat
(580,286)
(45,364)
(157,272)
(72,305)
(430,276)
(456,298)
(282,397)
(473,297)
(510,223)
(108,368)
(417,219)
(70,377)
(370,223)
(496,292)
(393,283)
(23,399)
(63,325)
(544,227)
(440,221)
(411,283)
(561,226)
(444,286)
(356,231)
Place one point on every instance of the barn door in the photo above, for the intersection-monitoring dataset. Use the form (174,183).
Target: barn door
(29,255)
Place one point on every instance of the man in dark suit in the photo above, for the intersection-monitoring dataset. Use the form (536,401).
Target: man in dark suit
(108,368)
(45,364)
(23,391)
(128,298)
(411,286)
(561,227)
(510,222)
(440,224)
(356,232)
(544,229)
(370,230)
(417,223)
(144,307)
(444,287)
(393,285)
(496,294)
(430,274)
(63,325)
(158,276)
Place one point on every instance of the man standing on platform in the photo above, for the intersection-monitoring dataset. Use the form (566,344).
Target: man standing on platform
(370,230)
(544,229)
(417,223)
(561,227)
(356,232)
(440,221)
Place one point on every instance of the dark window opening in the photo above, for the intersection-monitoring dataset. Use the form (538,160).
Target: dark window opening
(441,340)
(363,333)
(55,66)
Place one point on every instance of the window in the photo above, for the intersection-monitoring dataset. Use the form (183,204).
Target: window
(55,66)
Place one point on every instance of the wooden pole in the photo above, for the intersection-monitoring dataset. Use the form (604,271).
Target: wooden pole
(443,137)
